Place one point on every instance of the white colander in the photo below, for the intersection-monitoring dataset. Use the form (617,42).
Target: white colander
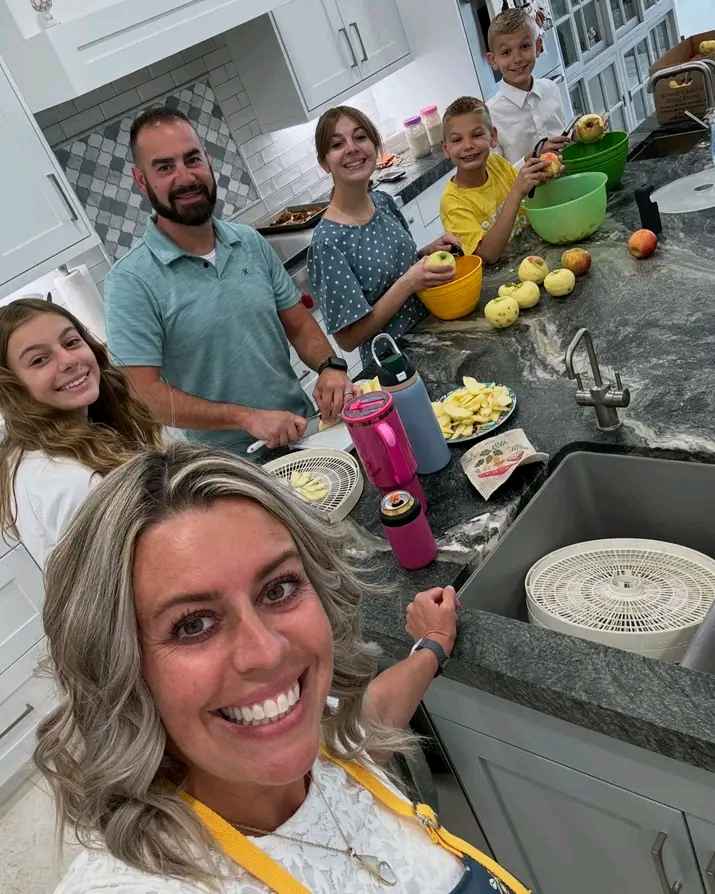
(336,468)
(644,596)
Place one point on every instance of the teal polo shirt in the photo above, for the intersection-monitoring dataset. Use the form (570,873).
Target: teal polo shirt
(212,329)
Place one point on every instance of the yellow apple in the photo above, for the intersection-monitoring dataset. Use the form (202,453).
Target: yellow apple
(589,128)
(502,311)
(560,283)
(441,259)
(526,294)
(555,167)
(706,47)
(533,269)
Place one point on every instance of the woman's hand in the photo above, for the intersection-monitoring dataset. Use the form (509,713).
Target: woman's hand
(446,242)
(422,276)
(433,614)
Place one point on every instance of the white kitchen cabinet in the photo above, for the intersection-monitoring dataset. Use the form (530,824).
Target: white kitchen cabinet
(703,837)
(21,595)
(377,31)
(95,43)
(26,696)
(310,54)
(561,830)
(43,224)
(422,213)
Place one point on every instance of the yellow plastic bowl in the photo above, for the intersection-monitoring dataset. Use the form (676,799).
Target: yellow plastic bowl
(458,297)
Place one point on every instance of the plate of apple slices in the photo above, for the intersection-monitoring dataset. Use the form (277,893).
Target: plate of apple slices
(473,410)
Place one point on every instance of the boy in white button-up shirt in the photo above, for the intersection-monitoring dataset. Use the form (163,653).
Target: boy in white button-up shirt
(525,109)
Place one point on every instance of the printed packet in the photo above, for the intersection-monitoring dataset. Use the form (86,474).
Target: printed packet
(490,462)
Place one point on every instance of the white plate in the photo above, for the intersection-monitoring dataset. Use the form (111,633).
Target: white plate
(485,427)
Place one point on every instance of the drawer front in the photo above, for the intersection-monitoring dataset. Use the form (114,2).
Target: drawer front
(21,596)
(428,201)
(24,700)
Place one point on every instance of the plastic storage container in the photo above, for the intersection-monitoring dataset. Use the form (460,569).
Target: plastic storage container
(417,138)
(433,124)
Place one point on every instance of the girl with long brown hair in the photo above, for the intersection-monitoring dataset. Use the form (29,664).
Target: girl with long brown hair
(69,419)
(364,265)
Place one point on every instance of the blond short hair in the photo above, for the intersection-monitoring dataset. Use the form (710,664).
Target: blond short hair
(465,105)
(509,22)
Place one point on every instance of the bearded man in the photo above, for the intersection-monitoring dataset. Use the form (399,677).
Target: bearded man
(201,311)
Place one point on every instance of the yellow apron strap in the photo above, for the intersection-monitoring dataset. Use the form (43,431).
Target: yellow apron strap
(425,815)
(245,853)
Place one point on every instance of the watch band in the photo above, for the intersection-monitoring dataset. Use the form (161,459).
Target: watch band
(434,647)
(333,363)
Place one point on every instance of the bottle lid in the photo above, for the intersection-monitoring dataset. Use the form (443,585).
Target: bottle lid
(410,122)
(365,409)
(398,508)
(428,110)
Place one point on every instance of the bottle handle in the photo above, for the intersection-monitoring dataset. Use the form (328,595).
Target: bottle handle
(387,337)
(389,441)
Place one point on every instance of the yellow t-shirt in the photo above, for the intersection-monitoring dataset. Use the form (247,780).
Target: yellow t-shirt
(469,212)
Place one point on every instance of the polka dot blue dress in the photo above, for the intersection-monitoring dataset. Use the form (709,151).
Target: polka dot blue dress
(352,265)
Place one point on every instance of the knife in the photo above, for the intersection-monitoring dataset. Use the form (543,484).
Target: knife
(311,428)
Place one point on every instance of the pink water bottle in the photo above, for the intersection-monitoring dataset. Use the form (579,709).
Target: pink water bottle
(407,529)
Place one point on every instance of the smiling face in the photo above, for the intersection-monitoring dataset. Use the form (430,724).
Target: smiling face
(173,172)
(351,156)
(514,56)
(237,648)
(54,363)
(468,139)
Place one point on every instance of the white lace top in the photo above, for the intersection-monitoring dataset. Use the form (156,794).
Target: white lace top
(419,864)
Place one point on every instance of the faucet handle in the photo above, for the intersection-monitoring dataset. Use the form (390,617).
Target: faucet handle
(579,382)
(619,383)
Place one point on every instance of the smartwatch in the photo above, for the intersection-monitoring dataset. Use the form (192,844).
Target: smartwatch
(434,647)
(333,363)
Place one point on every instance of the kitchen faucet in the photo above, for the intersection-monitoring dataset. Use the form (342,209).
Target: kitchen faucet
(603,397)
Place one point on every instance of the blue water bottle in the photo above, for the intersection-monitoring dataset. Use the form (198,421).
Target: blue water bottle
(400,378)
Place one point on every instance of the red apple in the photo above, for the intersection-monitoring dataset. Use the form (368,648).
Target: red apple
(577,260)
(642,243)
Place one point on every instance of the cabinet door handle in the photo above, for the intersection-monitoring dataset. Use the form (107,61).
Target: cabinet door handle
(344,32)
(710,874)
(28,710)
(359,37)
(657,854)
(54,180)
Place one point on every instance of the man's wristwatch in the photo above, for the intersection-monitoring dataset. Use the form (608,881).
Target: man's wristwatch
(434,647)
(333,363)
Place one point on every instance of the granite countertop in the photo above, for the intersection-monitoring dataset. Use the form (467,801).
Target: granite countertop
(654,322)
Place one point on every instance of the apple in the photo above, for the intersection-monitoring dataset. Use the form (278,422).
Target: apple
(642,243)
(441,259)
(533,269)
(555,167)
(577,260)
(526,294)
(560,283)
(502,311)
(589,128)
(706,47)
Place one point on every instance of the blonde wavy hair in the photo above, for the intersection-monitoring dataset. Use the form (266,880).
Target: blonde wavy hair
(103,750)
(120,425)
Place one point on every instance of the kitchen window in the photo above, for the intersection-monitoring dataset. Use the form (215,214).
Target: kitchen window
(605,92)
(625,15)
(662,37)
(581,32)
(578,99)
(637,62)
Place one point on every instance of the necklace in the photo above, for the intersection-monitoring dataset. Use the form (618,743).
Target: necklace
(379,869)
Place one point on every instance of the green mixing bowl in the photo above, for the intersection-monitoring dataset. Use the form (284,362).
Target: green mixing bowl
(607,155)
(568,208)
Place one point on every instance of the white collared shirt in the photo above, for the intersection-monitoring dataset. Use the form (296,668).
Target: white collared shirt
(522,118)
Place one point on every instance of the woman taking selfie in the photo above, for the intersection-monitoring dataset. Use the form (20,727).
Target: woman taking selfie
(193,747)
(69,419)
(363,262)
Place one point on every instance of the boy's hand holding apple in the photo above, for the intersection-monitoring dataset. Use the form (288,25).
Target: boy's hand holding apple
(533,172)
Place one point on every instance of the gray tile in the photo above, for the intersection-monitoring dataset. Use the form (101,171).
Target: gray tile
(95,97)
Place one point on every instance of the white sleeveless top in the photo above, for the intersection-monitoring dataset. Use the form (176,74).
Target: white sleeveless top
(420,865)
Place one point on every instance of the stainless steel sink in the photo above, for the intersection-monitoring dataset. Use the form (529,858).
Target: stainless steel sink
(661,145)
(593,495)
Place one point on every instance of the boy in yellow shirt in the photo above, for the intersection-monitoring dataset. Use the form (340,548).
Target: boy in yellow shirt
(482,202)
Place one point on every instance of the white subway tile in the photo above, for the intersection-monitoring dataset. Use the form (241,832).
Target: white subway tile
(257,144)
(189,71)
(84,121)
(298,154)
(280,199)
(242,135)
(95,97)
(286,177)
(244,116)
(218,57)
(231,69)
(230,106)
(121,103)
(166,65)
(155,87)
(262,175)
(231,88)
(252,214)
(309,163)
(218,76)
